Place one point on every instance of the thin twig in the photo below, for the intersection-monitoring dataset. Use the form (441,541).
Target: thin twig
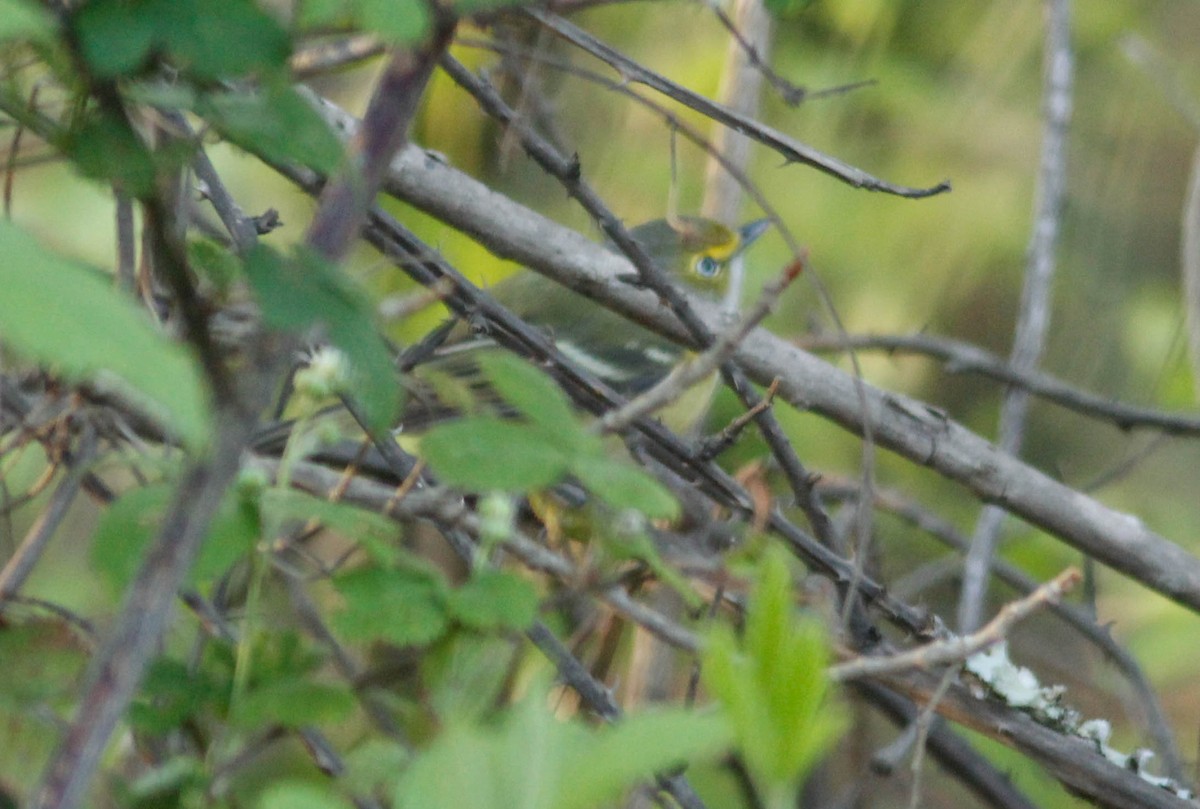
(118,668)
(953,751)
(684,376)
(1073,615)
(958,649)
(923,724)
(343,203)
(567,171)
(1033,320)
(714,445)
(963,357)
(789,148)
(21,564)
(335,54)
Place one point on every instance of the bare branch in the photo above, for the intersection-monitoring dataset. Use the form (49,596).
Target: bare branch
(961,357)
(958,649)
(1033,319)
(791,149)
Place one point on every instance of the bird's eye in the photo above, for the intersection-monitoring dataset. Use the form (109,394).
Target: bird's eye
(707,267)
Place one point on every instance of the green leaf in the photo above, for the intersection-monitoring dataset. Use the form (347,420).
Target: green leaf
(494,599)
(467,673)
(534,761)
(233,535)
(165,782)
(374,531)
(293,703)
(276,123)
(116,38)
(636,748)
(401,21)
(324,13)
(127,526)
(106,149)
(405,607)
(68,317)
(786,8)
(530,391)
(374,766)
(536,397)
(485,453)
(42,665)
(172,694)
(623,485)
(223,38)
(208,39)
(24,19)
(301,795)
(215,263)
(773,684)
(305,292)
(124,532)
(472,6)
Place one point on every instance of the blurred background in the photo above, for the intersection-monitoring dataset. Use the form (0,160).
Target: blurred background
(956,95)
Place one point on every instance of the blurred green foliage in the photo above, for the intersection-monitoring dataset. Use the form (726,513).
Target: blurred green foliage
(957,95)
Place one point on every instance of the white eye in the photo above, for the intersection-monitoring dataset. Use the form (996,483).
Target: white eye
(707,267)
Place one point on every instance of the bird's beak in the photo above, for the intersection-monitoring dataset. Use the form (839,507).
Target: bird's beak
(749,233)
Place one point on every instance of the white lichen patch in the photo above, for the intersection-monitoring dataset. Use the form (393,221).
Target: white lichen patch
(1020,689)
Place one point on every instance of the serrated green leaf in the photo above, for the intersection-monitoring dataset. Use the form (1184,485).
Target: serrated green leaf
(536,397)
(485,452)
(293,703)
(306,291)
(494,599)
(301,795)
(623,485)
(24,19)
(66,316)
(773,684)
(401,606)
(276,123)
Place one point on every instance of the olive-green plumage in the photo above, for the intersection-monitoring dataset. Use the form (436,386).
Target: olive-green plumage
(624,355)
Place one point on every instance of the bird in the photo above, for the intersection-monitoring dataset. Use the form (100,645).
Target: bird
(695,252)
(444,379)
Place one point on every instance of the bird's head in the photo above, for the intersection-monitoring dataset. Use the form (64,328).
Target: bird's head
(697,251)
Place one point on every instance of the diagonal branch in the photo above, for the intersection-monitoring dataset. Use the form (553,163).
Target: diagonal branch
(962,357)
(791,149)
(912,429)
